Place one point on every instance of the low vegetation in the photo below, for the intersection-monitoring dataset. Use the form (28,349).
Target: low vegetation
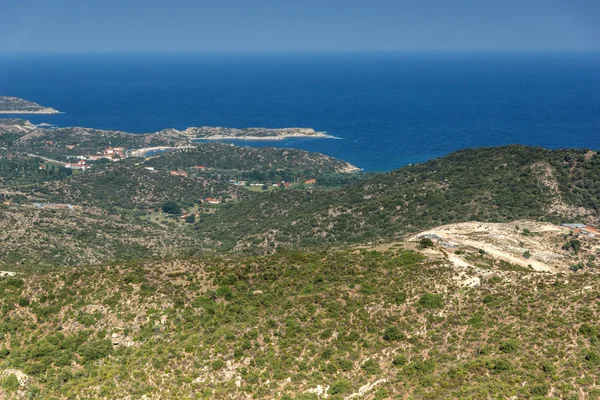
(388,325)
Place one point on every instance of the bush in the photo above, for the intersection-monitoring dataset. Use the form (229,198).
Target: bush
(509,346)
(592,358)
(95,350)
(371,367)
(340,387)
(170,207)
(381,394)
(400,298)
(502,365)
(539,390)
(393,334)
(23,301)
(429,300)
(425,243)
(10,383)
(400,360)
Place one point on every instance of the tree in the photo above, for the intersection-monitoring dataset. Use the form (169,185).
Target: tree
(190,219)
(170,207)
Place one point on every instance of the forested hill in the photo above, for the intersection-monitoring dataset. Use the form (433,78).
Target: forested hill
(241,158)
(486,184)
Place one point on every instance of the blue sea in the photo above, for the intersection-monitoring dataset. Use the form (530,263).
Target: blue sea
(388,109)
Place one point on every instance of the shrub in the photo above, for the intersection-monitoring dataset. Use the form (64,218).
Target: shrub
(502,365)
(170,207)
(588,330)
(429,300)
(425,243)
(371,367)
(539,390)
(340,387)
(422,367)
(10,383)
(400,298)
(95,350)
(225,292)
(592,358)
(509,346)
(400,360)
(23,301)
(393,334)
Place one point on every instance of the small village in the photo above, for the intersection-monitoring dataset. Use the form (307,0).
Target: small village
(84,163)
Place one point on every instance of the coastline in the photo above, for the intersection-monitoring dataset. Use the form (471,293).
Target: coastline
(278,137)
(46,111)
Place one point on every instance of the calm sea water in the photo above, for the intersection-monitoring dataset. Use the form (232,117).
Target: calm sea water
(388,109)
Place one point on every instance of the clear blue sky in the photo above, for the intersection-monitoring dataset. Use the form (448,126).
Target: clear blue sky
(298,25)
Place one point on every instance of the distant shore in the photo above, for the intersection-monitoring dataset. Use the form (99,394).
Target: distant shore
(220,133)
(45,111)
(277,137)
(16,105)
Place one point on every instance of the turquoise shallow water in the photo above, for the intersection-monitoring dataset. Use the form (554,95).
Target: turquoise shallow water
(388,109)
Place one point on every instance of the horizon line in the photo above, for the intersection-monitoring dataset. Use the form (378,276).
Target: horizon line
(300,52)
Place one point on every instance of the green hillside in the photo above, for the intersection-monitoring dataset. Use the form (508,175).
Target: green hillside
(127,185)
(386,325)
(488,184)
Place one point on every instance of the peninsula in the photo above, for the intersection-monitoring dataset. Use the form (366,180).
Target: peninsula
(220,133)
(16,105)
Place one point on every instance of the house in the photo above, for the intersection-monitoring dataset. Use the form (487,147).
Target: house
(149,168)
(574,226)
(200,167)
(284,184)
(94,158)
(178,172)
(583,229)
(80,165)
(310,182)
(210,200)
(42,166)
(433,237)
(115,153)
(70,146)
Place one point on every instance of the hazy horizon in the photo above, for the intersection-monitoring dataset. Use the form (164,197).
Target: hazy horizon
(235,26)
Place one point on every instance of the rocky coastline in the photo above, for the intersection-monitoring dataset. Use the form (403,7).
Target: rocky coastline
(16,105)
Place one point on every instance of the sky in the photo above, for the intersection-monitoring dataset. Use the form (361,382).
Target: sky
(297,25)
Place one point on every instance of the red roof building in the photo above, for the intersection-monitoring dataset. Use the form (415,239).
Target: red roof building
(178,172)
